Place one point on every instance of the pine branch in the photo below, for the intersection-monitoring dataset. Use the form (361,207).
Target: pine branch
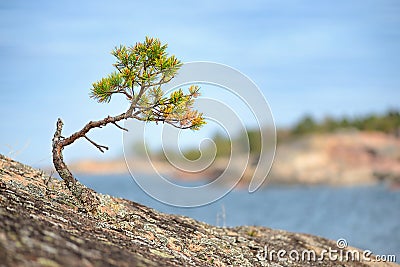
(90,125)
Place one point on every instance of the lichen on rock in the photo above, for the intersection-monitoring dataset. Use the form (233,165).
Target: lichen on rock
(42,224)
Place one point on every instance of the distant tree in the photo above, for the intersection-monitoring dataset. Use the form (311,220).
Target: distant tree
(255,142)
(192,154)
(393,113)
(223,145)
(387,123)
(344,123)
(140,71)
(329,124)
(305,125)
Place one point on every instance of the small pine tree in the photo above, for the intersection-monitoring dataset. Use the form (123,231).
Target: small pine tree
(141,70)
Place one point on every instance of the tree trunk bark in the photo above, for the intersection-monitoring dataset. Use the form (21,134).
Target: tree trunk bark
(84,195)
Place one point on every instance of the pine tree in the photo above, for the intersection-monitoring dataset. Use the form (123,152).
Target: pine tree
(141,70)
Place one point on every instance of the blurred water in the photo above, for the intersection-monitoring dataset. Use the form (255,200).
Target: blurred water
(367,217)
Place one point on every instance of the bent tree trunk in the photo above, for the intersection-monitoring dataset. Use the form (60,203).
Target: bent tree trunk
(84,195)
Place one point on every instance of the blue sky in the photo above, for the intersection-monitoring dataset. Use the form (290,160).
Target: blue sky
(308,57)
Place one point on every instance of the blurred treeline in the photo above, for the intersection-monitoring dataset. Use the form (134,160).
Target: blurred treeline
(388,122)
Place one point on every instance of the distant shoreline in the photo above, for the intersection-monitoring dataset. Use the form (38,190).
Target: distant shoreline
(337,159)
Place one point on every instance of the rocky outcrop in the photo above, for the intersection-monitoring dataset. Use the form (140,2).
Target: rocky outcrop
(342,158)
(42,224)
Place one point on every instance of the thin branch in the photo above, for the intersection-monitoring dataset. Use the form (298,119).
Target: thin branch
(157,73)
(129,96)
(100,147)
(132,90)
(90,125)
(141,92)
(162,81)
(121,90)
(117,66)
(122,128)
(129,112)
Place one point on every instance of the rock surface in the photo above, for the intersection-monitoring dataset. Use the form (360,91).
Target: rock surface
(42,224)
